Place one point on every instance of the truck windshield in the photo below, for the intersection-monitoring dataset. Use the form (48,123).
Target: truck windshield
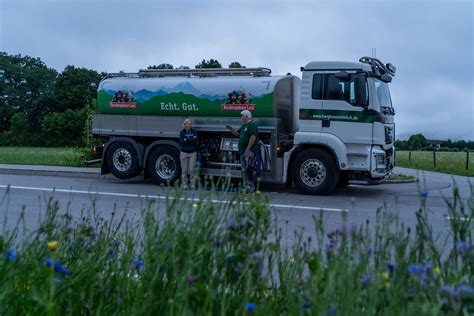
(382,93)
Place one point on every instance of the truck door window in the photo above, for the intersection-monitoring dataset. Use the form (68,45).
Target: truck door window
(317,93)
(336,89)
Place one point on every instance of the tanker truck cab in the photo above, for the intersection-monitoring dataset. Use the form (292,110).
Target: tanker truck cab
(345,126)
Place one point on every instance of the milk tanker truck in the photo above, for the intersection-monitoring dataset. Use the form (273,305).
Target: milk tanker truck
(334,125)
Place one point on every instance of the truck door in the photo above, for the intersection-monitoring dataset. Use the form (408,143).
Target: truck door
(311,103)
(342,116)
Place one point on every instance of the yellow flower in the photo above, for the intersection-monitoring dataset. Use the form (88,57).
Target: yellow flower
(52,245)
(387,285)
(385,275)
(437,271)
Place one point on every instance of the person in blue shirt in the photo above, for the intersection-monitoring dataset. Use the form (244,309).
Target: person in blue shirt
(188,140)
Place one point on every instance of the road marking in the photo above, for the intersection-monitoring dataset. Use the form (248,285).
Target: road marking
(462,219)
(159,197)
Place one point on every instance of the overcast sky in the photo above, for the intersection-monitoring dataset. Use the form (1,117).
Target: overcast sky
(430,43)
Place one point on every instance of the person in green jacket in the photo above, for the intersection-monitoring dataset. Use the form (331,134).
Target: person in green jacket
(248,140)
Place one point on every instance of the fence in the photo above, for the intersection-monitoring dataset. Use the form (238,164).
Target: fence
(461,163)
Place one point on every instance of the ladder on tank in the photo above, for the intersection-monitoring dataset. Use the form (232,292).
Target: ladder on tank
(200,72)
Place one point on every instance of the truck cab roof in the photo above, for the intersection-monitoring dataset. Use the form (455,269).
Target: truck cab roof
(336,65)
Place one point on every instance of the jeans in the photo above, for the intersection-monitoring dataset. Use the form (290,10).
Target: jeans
(248,177)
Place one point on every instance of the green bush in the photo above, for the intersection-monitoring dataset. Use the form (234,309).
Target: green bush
(66,129)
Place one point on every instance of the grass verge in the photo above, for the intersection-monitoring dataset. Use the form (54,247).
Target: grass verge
(446,162)
(203,258)
(65,156)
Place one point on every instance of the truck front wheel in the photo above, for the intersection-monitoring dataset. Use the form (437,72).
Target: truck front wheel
(314,172)
(122,160)
(163,165)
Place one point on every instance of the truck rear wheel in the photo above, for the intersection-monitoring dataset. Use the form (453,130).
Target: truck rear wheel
(122,160)
(314,172)
(163,165)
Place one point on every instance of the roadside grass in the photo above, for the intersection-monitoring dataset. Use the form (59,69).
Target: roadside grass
(64,156)
(446,162)
(205,258)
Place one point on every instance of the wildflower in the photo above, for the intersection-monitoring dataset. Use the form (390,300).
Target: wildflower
(385,275)
(423,193)
(58,267)
(49,262)
(195,205)
(331,310)
(437,271)
(391,267)
(466,291)
(329,246)
(450,292)
(11,254)
(306,306)
(414,268)
(138,263)
(387,285)
(463,248)
(192,279)
(250,307)
(370,250)
(52,245)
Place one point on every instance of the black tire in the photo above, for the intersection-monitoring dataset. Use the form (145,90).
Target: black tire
(314,172)
(122,160)
(163,165)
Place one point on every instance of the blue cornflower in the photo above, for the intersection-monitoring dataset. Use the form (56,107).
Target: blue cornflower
(465,290)
(463,248)
(414,268)
(450,292)
(59,268)
(11,254)
(306,306)
(366,280)
(229,258)
(139,264)
(331,310)
(250,307)
(49,262)
(192,279)
(391,267)
(370,250)
(423,193)
(329,246)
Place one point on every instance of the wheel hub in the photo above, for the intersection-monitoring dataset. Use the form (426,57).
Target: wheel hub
(313,172)
(165,167)
(122,159)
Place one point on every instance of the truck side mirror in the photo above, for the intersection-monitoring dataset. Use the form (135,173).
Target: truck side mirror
(361,87)
(343,76)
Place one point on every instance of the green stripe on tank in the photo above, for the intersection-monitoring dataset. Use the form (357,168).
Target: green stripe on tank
(338,115)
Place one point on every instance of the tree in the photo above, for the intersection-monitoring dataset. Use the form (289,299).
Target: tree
(235,64)
(401,145)
(212,63)
(161,66)
(24,80)
(76,88)
(414,142)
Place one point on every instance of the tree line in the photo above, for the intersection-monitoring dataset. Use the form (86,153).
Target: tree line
(42,107)
(420,142)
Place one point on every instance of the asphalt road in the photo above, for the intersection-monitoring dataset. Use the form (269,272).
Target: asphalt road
(356,203)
